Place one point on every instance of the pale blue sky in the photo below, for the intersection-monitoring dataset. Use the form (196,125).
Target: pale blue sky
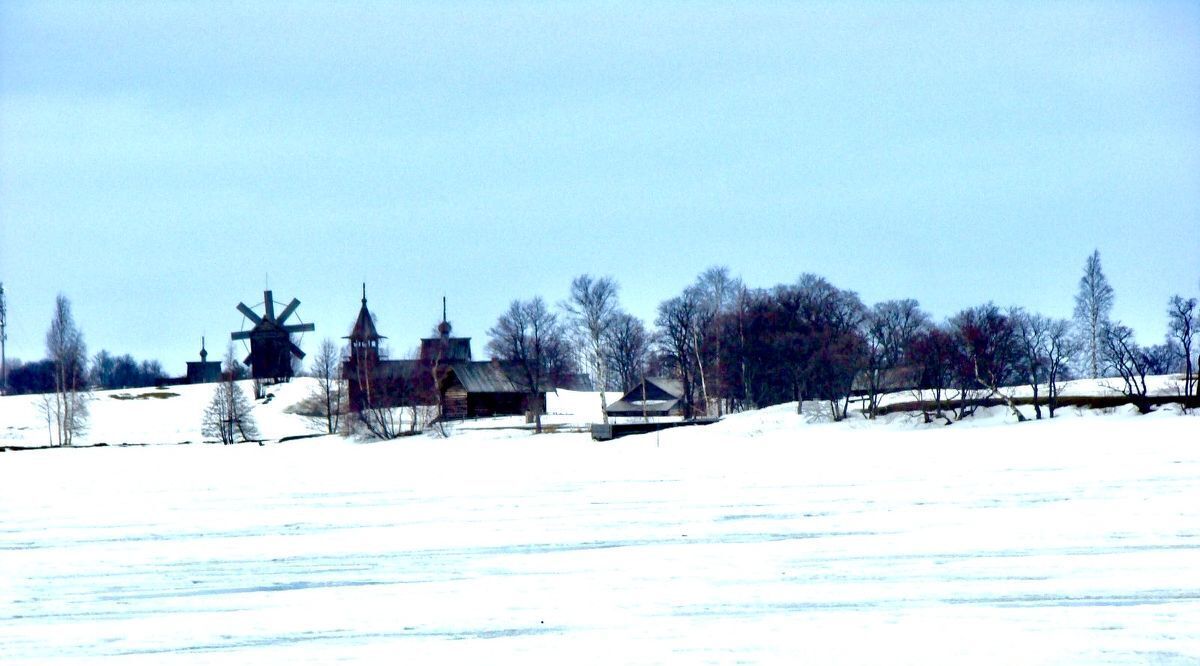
(158,160)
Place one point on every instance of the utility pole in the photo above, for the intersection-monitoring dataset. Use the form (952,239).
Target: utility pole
(3,338)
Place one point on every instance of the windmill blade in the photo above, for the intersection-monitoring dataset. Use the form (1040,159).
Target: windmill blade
(287,312)
(240,335)
(250,313)
(300,328)
(296,350)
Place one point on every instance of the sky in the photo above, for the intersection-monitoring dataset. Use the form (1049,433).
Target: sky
(162,162)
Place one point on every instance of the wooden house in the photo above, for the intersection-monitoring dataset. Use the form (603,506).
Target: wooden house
(655,396)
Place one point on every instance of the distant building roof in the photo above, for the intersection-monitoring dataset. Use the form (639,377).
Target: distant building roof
(487,377)
(637,407)
(891,380)
(660,396)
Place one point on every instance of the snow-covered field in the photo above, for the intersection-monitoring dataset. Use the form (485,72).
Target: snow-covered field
(766,538)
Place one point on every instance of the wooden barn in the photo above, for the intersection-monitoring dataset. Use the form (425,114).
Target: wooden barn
(655,396)
(485,388)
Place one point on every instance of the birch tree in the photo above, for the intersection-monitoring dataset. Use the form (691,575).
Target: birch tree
(592,309)
(1093,303)
(716,290)
(67,408)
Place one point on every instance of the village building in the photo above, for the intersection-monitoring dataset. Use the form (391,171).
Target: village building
(444,374)
(203,371)
(654,396)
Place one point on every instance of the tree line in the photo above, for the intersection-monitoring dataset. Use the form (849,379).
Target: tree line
(731,347)
(735,347)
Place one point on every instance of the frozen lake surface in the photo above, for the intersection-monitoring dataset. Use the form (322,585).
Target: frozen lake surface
(1076,541)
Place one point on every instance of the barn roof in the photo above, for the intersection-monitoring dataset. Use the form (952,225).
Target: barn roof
(486,377)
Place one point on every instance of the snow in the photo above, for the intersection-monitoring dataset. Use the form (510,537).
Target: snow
(770,537)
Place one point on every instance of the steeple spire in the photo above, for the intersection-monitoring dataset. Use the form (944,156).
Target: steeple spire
(364,327)
(444,327)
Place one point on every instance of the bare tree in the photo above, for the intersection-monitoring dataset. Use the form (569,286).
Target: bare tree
(592,307)
(678,321)
(530,337)
(990,344)
(66,349)
(888,331)
(329,392)
(228,413)
(936,356)
(629,348)
(1032,337)
(1093,303)
(1061,347)
(1182,324)
(1129,361)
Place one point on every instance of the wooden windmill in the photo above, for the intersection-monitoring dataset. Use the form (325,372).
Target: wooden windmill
(271,345)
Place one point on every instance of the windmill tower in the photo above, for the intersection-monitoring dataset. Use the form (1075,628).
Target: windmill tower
(271,345)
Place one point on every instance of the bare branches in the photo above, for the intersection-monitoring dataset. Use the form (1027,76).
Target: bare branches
(1181,329)
(629,349)
(888,331)
(228,413)
(530,337)
(329,392)
(1129,361)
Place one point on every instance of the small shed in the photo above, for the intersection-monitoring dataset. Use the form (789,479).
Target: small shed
(655,396)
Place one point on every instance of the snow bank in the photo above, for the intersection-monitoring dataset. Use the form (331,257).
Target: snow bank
(767,538)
